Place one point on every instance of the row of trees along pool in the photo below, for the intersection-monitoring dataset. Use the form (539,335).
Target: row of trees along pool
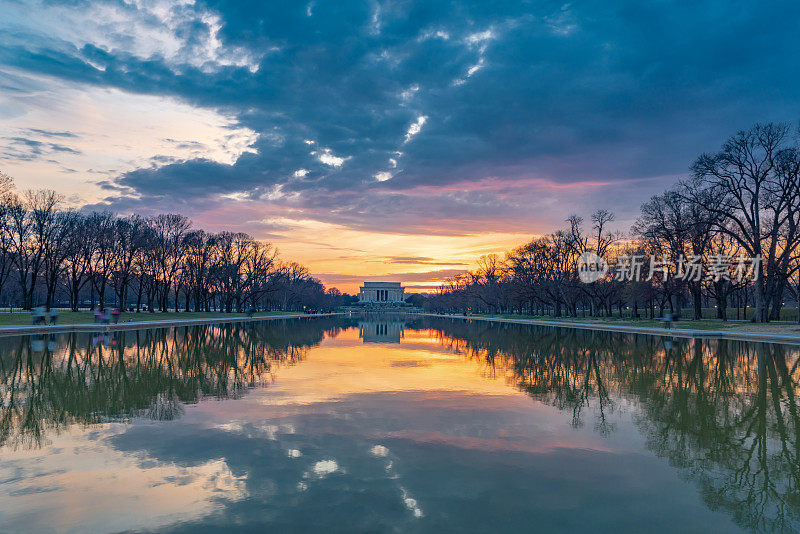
(53,256)
(742,201)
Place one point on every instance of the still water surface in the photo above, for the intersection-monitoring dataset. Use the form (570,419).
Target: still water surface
(409,425)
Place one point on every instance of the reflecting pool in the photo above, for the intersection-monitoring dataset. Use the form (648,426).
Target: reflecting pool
(401,424)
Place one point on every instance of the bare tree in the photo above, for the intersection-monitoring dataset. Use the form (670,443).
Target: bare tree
(603,238)
(6,240)
(128,241)
(752,187)
(6,185)
(80,245)
(56,251)
(672,227)
(33,225)
(100,228)
(170,231)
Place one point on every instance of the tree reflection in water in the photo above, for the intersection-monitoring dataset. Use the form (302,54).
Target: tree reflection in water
(49,383)
(724,412)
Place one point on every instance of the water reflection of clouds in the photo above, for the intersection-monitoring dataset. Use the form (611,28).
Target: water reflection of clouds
(262,429)
(379,451)
(327,462)
(411,477)
(367,434)
(89,486)
(341,369)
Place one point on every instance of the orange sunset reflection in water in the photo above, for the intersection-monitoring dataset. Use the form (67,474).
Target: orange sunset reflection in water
(395,423)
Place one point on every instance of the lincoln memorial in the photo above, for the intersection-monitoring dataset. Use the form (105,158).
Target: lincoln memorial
(388,292)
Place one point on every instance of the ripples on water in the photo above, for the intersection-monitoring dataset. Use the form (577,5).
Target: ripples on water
(406,424)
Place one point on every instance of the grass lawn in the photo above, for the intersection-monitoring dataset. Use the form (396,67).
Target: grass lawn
(21,317)
(705,324)
(710,314)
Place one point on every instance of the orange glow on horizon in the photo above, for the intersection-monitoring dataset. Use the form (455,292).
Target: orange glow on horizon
(420,262)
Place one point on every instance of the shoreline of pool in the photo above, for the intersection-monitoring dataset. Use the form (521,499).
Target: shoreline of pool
(763,337)
(21,330)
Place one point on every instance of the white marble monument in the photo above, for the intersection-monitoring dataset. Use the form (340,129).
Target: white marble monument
(382,292)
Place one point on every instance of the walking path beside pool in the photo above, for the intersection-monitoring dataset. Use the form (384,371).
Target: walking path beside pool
(138,325)
(766,337)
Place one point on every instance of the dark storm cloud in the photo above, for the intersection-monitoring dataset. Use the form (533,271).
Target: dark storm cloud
(618,93)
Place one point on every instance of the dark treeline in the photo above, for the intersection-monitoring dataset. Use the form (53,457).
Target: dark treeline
(51,256)
(741,202)
(725,413)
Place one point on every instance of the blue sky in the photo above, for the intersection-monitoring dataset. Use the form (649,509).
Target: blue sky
(374,139)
